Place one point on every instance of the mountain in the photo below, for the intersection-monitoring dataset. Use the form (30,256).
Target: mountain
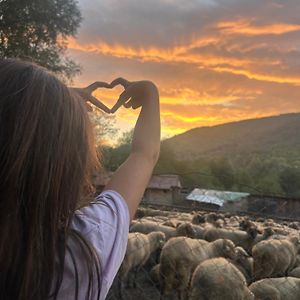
(276,135)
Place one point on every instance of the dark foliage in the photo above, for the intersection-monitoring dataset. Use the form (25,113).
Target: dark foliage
(36,30)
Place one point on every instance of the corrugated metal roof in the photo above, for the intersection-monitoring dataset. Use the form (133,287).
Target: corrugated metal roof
(215,197)
(165,182)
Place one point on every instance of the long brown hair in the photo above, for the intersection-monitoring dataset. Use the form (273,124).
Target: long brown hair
(46,159)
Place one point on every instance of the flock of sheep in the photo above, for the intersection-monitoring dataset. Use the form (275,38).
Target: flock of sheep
(202,255)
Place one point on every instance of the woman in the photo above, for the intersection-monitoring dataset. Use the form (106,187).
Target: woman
(48,249)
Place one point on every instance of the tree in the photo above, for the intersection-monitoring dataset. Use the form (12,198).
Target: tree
(222,170)
(289,180)
(37,30)
(126,138)
(104,126)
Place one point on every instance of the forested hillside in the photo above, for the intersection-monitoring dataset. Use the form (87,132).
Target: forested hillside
(265,135)
(257,156)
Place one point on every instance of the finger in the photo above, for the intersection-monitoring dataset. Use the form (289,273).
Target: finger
(125,83)
(135,105)
(98,84)
(128,104)
(99,104)
(122,99)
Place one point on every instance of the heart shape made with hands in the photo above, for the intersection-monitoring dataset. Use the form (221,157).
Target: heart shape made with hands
(86,94)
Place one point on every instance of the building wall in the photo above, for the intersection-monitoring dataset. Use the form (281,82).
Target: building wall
(156,196)
(233,206)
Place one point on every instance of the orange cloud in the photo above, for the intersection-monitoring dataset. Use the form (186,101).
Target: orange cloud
(176,54)
(181,54)
(260,77)
(243,26)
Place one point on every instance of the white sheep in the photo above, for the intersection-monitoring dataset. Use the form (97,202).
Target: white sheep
(238,237)
(295,272)
(181,255)
(219,279)
(139,249)
(283,288)
(146,226)
(190,230)
(244,262)
(274,258)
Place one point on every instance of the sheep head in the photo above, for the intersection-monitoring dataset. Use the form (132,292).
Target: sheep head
(186,229)
(252,232)
(226,248)
(245,224)
(241,254)
(198,219)
(268,231)
(160,238)
(211,218)
(296,241)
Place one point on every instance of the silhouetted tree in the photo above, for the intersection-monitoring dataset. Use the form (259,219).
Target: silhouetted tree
(37,30)
(222,170)
(289,180)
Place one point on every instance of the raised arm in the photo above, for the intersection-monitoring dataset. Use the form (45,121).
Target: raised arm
(131,178)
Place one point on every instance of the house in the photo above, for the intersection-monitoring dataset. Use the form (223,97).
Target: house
(163,189)
(218,200)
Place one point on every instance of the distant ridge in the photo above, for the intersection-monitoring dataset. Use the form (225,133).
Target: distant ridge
(263,135)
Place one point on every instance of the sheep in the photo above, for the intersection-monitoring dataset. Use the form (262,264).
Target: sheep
(158,219)
(239,237)
(139,249)
(148,226)
(190,230)
(274,257)
(181,255)
(294,225)
(170,223)
(295,272)
(267,234)
(185,217)
(215,219)
(245,224)
(198,219)
(244,263)
(219,279)
(260,220)
(143,212)
(284,288)
(154,275)
(233,223)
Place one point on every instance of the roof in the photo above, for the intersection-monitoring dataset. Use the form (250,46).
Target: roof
(215,197)
(164,182)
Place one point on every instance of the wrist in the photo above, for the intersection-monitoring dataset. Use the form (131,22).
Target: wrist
(151,88)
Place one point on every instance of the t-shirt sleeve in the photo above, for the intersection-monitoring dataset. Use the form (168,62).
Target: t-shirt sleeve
(105,224)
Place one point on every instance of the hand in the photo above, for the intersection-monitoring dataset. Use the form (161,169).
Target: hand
(86,94)
(137,92)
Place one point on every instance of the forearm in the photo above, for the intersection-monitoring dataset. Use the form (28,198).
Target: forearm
(146,136)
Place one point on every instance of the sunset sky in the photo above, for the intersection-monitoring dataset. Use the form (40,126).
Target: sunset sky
(214,61)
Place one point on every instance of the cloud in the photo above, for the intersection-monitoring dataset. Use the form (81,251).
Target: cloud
(244,27)
(214,61)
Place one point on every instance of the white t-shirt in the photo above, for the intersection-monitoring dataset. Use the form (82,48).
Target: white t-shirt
(105,224)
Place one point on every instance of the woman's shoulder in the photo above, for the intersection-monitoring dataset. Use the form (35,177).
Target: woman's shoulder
(107,209)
